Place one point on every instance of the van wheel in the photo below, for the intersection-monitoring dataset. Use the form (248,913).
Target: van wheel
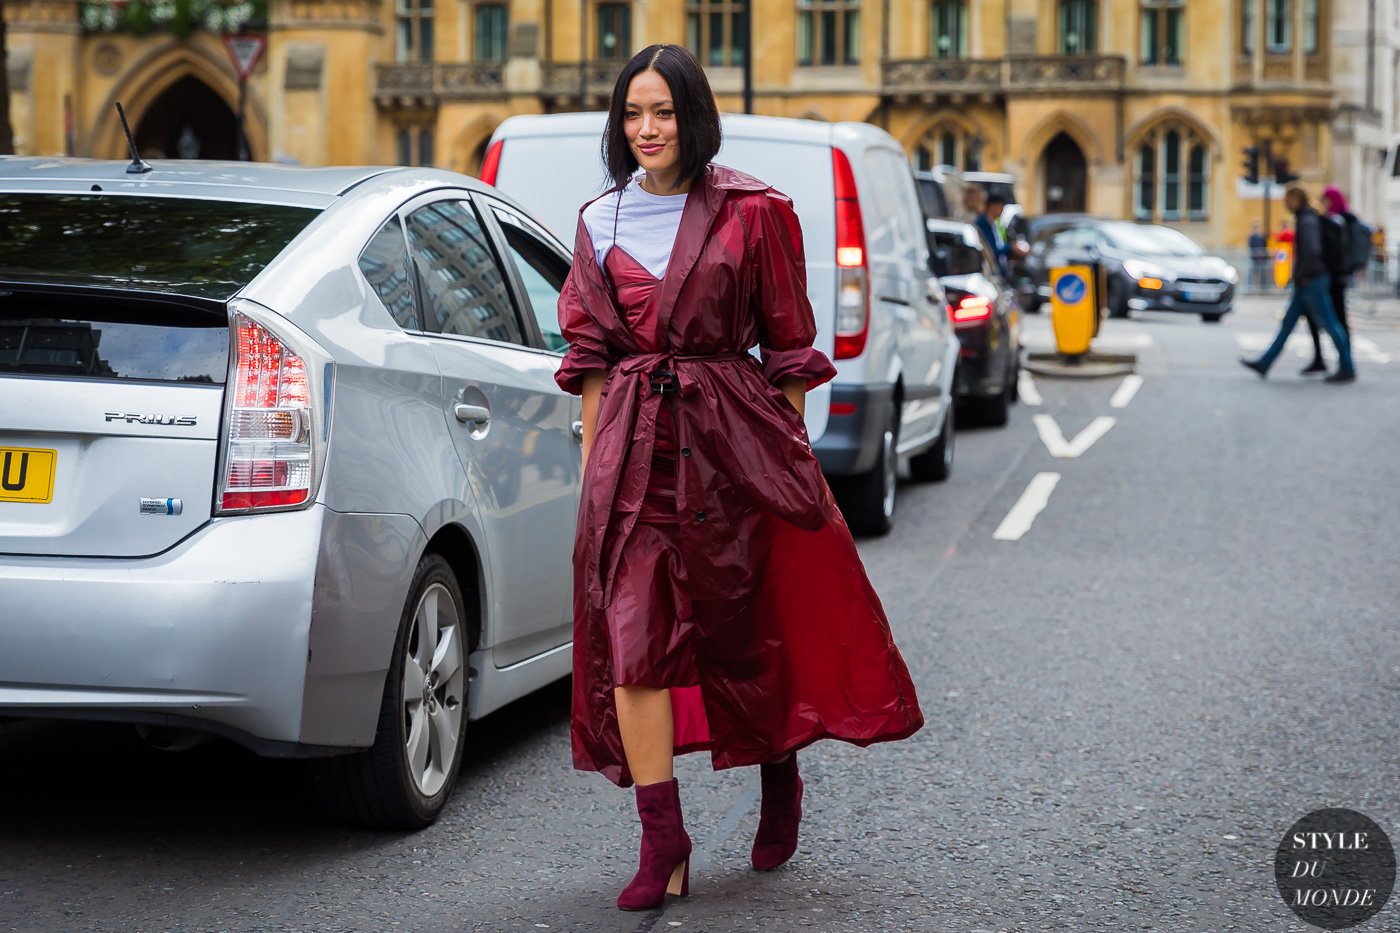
(403,780)
(868,499)
(936,463)
(1212,318)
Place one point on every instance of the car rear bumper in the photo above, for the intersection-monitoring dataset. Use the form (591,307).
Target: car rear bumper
(982,364)
(216,632)
(851,442)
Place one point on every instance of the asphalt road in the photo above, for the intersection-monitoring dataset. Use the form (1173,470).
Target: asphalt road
(1191,646)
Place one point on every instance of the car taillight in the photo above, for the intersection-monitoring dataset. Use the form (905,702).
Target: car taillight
(491,164)
(852,270)
(970,310)
(270,451)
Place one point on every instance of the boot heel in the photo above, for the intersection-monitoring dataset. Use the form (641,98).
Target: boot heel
(680,880)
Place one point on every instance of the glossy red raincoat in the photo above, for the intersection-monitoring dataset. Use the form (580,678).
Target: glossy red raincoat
(790,641)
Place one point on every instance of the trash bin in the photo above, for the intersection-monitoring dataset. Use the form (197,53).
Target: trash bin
(1074,306)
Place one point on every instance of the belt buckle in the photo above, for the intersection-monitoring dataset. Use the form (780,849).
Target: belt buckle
(662,381)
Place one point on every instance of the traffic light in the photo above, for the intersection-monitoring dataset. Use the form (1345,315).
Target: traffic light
(1251,164)
(1282,176)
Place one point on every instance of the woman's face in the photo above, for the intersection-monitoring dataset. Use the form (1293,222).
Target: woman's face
(649,120)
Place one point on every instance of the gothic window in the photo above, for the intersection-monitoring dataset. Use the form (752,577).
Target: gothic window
(714,31)
(828,32)
(414,30)
(489,23)
(949,29)
(614,31)
(1247,26)
(1278,25)
(949,144)
(1079,26)
(1163,32)
(415,145)
(1172,168)
(1310,27)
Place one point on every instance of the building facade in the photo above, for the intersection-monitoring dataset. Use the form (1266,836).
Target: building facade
(1130,108)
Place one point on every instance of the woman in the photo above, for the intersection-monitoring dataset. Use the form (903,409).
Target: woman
(719,602)
(1335,203)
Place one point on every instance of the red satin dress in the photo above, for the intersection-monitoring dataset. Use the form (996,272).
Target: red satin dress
(650,623)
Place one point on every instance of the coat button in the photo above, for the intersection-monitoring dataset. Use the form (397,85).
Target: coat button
(685,451)
(699,516)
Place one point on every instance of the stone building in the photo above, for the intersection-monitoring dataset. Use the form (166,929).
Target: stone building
(1132,108)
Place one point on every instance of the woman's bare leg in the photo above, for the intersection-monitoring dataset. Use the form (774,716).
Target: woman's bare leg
(644,719)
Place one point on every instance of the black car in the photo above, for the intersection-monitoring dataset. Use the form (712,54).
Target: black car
(985,316)
(1029,272)
(1150,268)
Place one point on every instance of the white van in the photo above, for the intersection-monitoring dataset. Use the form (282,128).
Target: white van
(881,316)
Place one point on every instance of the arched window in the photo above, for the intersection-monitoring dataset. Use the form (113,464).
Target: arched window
(1079,27)
(1172,168)
(949,144)
(949,21)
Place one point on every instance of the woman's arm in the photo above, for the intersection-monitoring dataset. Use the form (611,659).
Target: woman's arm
(794,387)
(592,392)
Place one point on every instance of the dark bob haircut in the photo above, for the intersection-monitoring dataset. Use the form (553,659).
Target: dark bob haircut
(697,117)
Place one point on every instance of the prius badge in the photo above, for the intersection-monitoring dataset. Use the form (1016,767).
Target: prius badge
(132,418)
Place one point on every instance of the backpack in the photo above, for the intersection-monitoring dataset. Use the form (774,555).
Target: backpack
(1336,246)
(1360,252)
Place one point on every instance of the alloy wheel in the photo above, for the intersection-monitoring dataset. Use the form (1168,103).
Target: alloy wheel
(433,678)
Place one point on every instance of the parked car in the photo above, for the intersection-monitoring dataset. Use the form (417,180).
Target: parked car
(986,317)
(1150,268)
(941,192)
(880,315)
(284,460)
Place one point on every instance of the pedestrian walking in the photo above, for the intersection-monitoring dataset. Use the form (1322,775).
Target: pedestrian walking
(1310,290)
(1339,234)
(1258,255)
(719,601)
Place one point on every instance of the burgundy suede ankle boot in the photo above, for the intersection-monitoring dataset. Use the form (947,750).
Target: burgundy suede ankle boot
(665,861)
(779,814)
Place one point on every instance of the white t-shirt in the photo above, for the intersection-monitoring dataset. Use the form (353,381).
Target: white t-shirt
(646,225)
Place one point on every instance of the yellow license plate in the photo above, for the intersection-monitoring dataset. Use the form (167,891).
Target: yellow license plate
(26,474)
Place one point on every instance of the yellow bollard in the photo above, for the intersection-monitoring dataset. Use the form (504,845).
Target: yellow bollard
(1283,264)
(1074,308)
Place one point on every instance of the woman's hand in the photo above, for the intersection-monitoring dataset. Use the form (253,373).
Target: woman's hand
(592,392)
(795,388)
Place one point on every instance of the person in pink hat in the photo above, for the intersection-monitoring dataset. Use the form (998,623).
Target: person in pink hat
(1335,204)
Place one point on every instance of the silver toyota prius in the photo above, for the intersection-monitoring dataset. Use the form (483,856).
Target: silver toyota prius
(282,460)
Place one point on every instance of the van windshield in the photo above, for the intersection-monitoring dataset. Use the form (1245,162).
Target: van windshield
(207,249)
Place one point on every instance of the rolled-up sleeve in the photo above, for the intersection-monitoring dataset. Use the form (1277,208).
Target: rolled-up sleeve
(588,347)
(784,310)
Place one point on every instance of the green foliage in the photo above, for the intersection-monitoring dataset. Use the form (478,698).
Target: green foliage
(180,17)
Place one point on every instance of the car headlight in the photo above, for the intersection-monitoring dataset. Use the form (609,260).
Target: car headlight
(1229,273)
(1138,269)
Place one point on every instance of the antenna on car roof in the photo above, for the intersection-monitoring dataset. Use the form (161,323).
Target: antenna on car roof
(138,166)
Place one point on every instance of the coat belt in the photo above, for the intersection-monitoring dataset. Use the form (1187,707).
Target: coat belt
(664,376)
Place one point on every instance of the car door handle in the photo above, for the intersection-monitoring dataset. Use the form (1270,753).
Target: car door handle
(577,428)
(479,414)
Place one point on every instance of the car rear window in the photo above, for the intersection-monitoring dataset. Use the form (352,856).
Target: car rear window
(111,337)
(208,249)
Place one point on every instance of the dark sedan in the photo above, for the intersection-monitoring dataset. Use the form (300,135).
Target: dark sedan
(983,309)
(1029,272)
(1150,268)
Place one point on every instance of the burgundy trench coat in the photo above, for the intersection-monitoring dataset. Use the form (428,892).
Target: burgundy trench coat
(789,638)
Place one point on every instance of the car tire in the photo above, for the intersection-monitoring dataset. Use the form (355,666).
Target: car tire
(993,412)
(1213,318)
(1117,301)
(868,499)
(383,787)
(936,464)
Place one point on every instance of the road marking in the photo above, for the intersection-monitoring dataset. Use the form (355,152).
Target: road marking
(1032,502)
(1126,391)
(1055,442)
(1025,388)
